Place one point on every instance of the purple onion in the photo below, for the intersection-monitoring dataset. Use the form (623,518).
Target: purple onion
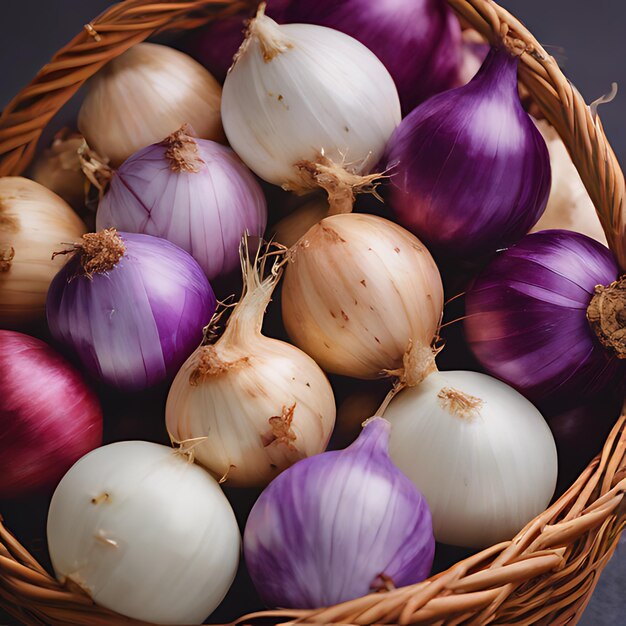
(526,317)
(131,308)
(216,44)
(194,192)
(469,171)
(580,433)
(338,525)
(418,41)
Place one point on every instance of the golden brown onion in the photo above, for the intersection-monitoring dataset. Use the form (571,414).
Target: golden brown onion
(34,223)
(145,95)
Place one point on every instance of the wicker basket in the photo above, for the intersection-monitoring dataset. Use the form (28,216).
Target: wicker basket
(547,573)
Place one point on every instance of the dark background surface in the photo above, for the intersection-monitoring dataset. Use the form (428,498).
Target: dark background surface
(586,37)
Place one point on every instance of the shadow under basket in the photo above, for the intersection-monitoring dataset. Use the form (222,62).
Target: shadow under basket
(547,573)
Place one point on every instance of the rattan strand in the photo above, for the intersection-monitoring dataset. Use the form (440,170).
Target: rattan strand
(547,573)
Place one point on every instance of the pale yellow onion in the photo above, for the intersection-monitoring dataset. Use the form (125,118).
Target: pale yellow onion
(359,292)
(569,205)
(34,223)
(288,230)
(58,168)
(261,403)
(143,96)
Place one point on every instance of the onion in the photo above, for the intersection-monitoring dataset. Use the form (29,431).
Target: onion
(145,533)
(193,192)
(569,205)
(580,433)
(49,418)
(527,317)
(144,95)
(131,307)
(260,404)
(216,44)
(34,222)
(418,41)
(481,454)
(337,526)
(58,168)
(363,297)
(470,172)
(308,107)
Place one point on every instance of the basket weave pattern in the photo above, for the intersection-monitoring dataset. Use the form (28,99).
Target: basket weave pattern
(547,573)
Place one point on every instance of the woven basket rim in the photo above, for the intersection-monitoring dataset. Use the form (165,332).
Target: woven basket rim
(547,573)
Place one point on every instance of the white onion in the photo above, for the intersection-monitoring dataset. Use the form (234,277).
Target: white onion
(298,91)
(482,455)
(145,532)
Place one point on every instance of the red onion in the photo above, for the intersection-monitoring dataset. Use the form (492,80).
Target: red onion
(526,316)
(580,433)
(215,45)
(338,525)
(131,307)
(194,192)
(469,171)
(418,41)
(49,417)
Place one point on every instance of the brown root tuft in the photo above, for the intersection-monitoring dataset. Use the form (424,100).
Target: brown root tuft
(182,151)
(607,316)
(99,252)
(336,180)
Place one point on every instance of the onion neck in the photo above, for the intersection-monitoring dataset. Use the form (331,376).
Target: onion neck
(459,403)
(246,320)
(498,74)
(99,252)
(374,438)
(271,38)
(181,150)
(606,315)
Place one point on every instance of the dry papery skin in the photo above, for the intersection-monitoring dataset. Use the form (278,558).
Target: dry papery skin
(607,316)
(271,40)
(461,404)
